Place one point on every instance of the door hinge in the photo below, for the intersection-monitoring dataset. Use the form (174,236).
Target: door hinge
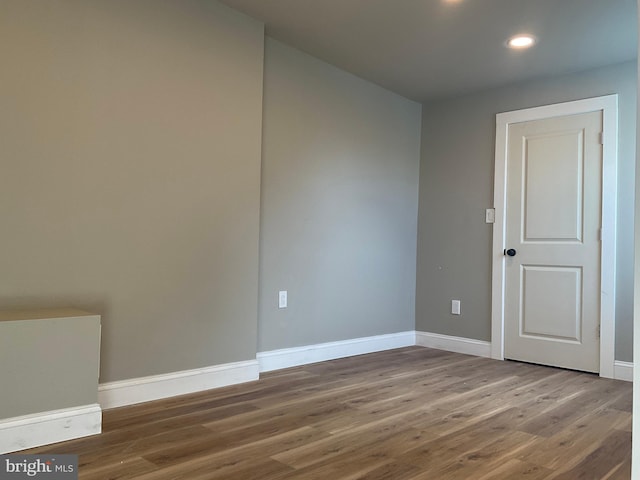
(598,331)
(601,138)
(600,234)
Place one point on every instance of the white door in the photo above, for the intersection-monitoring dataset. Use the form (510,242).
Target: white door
(552,281)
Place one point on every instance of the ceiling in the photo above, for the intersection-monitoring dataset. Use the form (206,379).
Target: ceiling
(426,49)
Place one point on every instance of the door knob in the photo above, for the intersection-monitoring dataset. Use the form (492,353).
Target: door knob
(511,252)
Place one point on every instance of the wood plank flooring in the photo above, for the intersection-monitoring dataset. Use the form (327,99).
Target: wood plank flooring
(406,414)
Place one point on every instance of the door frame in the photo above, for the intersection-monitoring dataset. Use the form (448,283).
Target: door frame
(609,106)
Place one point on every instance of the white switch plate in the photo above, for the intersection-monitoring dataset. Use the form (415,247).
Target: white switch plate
(490,215)
(455,307)
(282,299)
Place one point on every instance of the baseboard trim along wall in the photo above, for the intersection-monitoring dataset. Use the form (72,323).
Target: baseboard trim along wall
(623,371)
(479,348)
(145,389)
(293,357)
(28,431)
(467,346)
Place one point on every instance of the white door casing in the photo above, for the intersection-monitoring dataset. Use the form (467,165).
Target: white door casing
(608,107)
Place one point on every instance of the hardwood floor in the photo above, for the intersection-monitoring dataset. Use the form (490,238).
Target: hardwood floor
(406,414)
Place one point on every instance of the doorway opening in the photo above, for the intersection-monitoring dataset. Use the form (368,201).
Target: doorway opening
(608,106)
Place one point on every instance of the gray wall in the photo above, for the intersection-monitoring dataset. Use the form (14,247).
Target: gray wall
(48,361)
(635,445)
(130,186)
(130,176)
(339,204)
(456,185)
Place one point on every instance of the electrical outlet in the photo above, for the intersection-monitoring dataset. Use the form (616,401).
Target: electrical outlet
(282,299)
(455,307)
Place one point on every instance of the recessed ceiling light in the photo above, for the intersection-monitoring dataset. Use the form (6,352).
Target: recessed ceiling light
(521,41)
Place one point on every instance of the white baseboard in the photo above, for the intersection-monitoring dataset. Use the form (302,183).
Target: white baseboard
(468,346)
(623,371)
(145,389)
(293,357)
(479,348)
(28,431)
